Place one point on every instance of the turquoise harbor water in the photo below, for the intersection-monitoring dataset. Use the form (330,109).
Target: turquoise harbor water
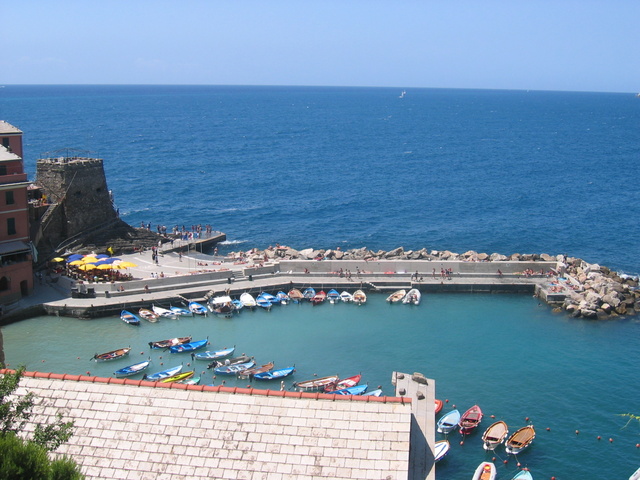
(489,171)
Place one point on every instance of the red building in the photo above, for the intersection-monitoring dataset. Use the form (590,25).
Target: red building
(16,268)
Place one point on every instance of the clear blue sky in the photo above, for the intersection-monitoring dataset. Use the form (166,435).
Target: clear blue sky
(585,45)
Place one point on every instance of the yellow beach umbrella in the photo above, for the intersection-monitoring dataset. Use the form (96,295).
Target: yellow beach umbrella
(90,260)
(76,263)
(58,259)
(104,266)
(88,266)
(127,265)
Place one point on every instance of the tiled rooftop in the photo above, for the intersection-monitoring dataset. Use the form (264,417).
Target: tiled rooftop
(6,127)
(132,429)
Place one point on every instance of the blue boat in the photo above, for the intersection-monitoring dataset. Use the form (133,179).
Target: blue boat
(237,304)
(154,377)
(283,298)
(333,296)
(130,318)
(189,347)
(275,374)
(263,302)
(214,354)
(448,422)
(309,293)
(197,308)
(180,311)
(355,390)
(373,393)
(234,369)
(132,369)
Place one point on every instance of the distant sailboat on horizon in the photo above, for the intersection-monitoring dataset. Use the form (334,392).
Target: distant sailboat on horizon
(404,92)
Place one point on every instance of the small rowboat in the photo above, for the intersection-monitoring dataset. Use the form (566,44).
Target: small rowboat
(257,369)
(171,342)
(133,369)
(275,374)
(520,440)
(333,296)
(440,449)
(235,369)
(214,354)
(316,383)
(178,377)
(148,315)
(180,311)
(197,309)
(295,295)
(524,475)
(163,312)
(412,297)
(438,405)
(448,422)
(190,381)
(355,390)
(112,355)
(272,298)
(494,435)
(319,297)
(344,383)
(230,361)
(373,393)
(309,293)
(346,297)
(247,300)
(263,302)
(396,296)
(283,298)
(156,377)
(359,297)
(470,420)
(130,318)
(485,471)
(189,347)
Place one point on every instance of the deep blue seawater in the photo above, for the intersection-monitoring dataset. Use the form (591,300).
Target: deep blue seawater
(491,171)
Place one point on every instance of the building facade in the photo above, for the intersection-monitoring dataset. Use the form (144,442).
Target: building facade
(16,267)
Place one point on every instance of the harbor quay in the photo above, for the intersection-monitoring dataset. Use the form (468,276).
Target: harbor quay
(185,278)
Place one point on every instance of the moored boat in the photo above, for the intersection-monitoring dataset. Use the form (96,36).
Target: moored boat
(412,297)
(263,302)
(180,311)
(353,390)
(222,305)
(333,296)
(178,377)
(494,435)
(309,293)
(283,298)
(235,369)
(521,439)
(156,377)
(470,420)
(438,405)
(396,296)
(316,383)
(189,347)
(130,318)
(275,374)
(257,369)
(319,297)
(485,471)
(112,355)
(163,312)
(197,308)
(344,383)
(346,297)
(373,393)
(440,449)
(230,361)
(148,315)
(170,342)
(523,475)
(295,295)
(359,297)
(210,355)
(247,300)
(133,369)
(448,422)
(190,381)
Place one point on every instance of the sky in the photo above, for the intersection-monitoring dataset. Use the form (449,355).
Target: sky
(568,45)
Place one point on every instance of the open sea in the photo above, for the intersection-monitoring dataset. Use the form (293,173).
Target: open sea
(490,171)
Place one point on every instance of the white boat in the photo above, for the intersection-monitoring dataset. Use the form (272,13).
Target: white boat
(440,449)
(163,312)
(180,311)
(485,471)
(396,296)
(449,421)
(523,475)
(635,475)
(333,296)
(494,435)
(247,300)
(197,308)
(222,305)
(412,297)
(346,297)
(359,297)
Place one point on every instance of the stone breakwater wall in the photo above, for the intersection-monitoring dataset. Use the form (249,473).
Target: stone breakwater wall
(589,290)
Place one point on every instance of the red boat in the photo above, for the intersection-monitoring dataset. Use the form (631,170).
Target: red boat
(344,383)
(439,404)
(319,297)
(470,420)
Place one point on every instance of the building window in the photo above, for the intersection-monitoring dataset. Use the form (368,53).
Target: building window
(5,142)
(11,226)
(3,169)
(4,284)
(9,198)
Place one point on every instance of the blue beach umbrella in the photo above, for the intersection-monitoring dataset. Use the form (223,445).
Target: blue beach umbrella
(101,256)
(74,257)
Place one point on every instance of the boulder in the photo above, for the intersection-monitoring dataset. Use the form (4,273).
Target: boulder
(307,253)
(514,257)
(547,258)
(482,257)
(497,257)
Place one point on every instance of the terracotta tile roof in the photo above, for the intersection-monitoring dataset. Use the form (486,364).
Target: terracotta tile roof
(134,429)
